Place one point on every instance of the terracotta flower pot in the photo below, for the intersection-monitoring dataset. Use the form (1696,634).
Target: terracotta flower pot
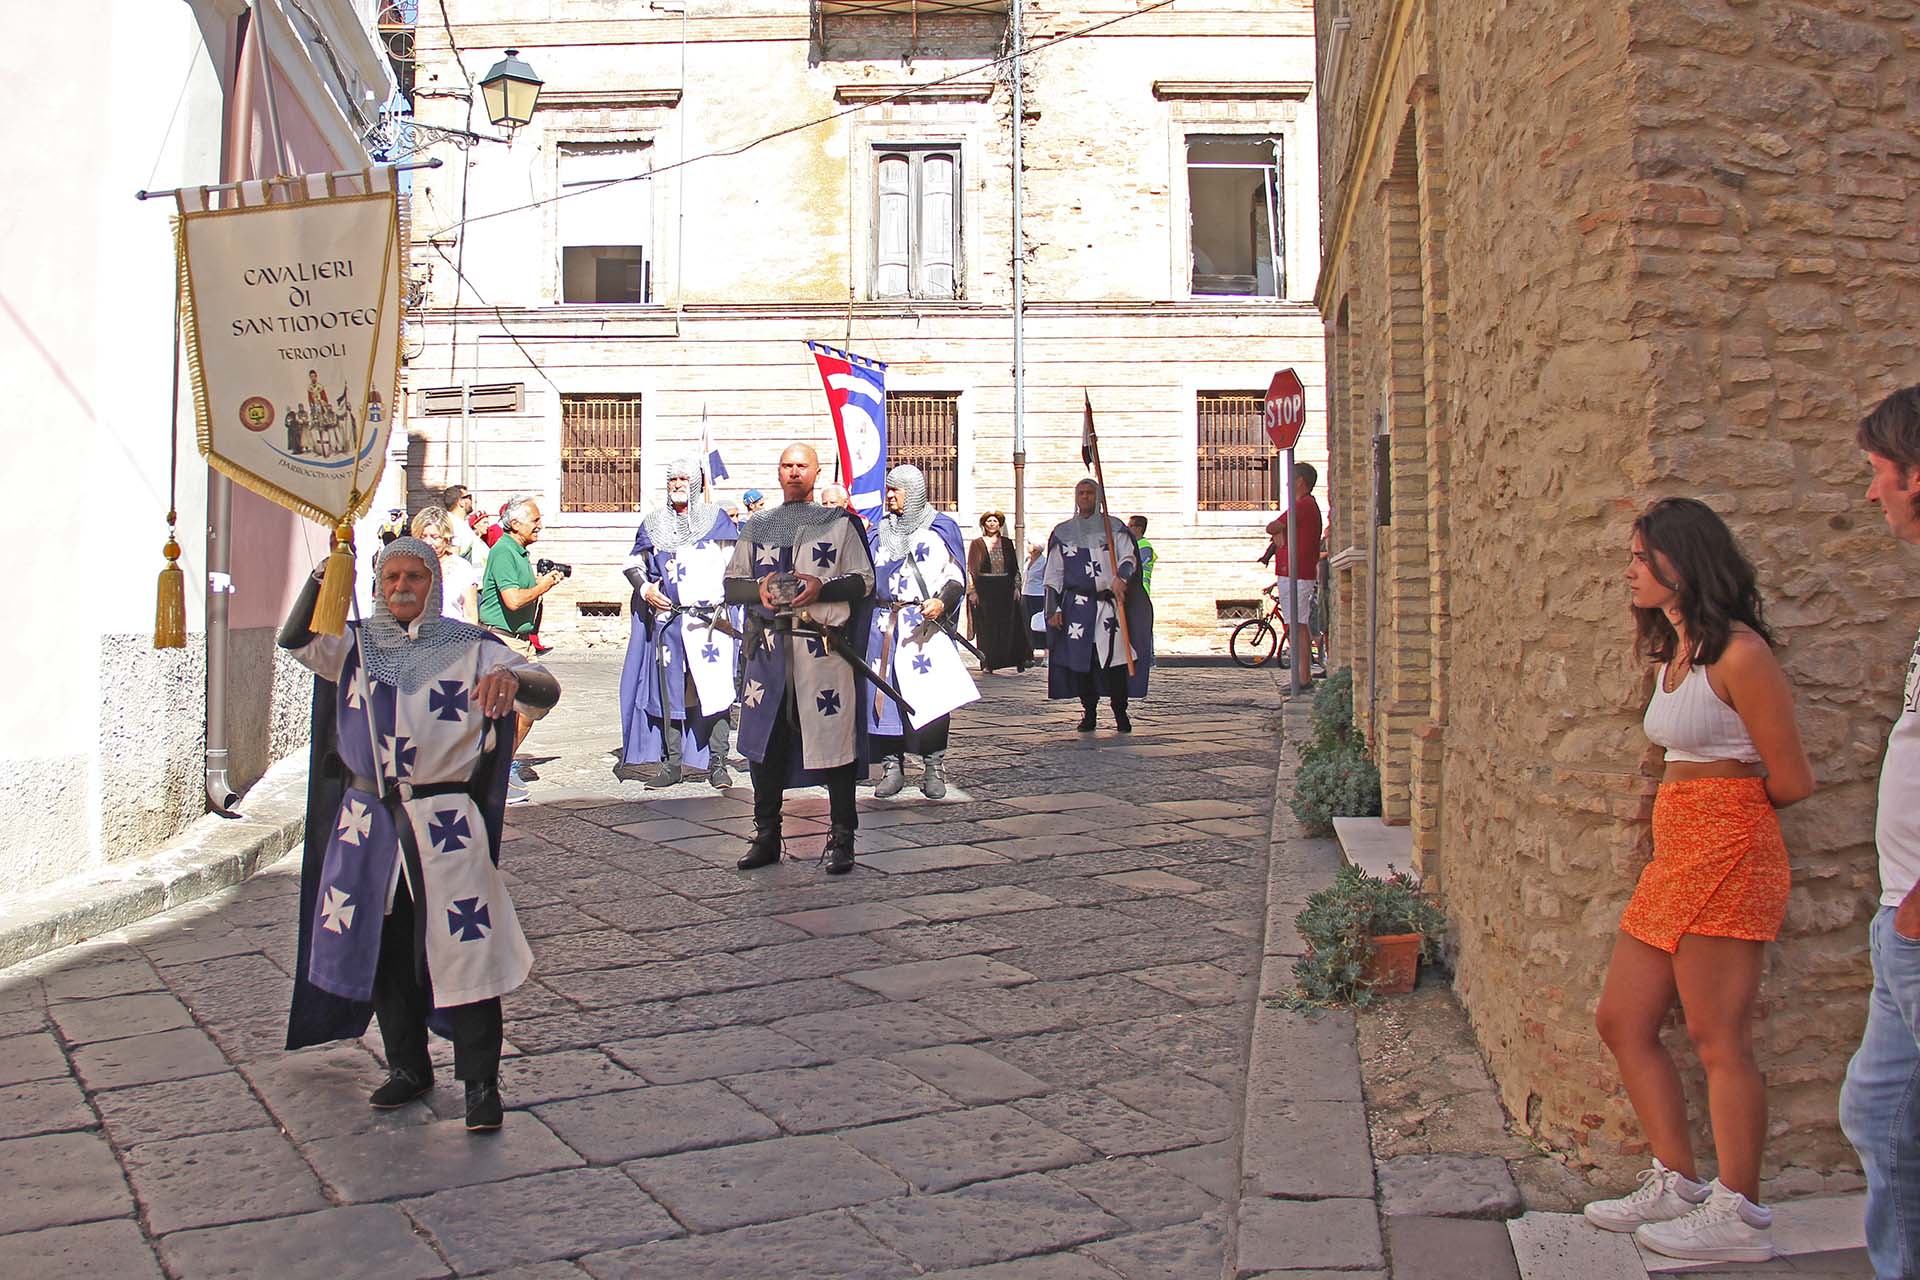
(1395,963)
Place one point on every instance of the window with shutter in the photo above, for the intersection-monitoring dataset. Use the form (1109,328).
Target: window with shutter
(605,222)
(893,253)
(916,223)
(1238,467)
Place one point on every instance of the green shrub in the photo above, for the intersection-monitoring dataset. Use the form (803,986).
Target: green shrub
(1338,923)
(1340,782)
(1333,711)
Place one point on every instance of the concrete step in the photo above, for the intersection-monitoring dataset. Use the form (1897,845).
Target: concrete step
(1373,846)
(1553,1246)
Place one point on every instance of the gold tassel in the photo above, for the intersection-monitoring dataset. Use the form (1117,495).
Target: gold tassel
(336,586)
(170,610)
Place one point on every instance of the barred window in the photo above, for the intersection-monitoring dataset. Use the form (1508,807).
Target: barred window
(923,427)
(1239,469)
(599,453)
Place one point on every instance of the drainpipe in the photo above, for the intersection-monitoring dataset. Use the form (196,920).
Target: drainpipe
(1019,311)
(220,792)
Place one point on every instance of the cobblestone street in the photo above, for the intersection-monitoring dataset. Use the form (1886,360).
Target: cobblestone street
(1016,1031)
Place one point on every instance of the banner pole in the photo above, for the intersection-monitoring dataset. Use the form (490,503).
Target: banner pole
(174,192)
(1113,556)
(257,32)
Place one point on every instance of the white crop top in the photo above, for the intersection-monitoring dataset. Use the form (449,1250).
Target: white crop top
(1694,725)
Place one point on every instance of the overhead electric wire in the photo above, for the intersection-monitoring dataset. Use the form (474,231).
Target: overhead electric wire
(742,148)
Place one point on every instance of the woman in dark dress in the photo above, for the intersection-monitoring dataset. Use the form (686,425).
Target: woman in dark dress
(993,592)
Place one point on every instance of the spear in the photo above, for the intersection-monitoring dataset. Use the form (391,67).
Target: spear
(1090,454)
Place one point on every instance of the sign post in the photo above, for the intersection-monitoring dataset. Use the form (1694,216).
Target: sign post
(1283,415)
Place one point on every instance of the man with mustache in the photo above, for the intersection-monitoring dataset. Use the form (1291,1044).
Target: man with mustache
(404,913)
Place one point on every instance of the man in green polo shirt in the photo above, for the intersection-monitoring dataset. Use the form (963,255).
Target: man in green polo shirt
(510,594)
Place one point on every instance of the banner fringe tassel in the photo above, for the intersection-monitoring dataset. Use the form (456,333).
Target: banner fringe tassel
(336,586)
(170,608)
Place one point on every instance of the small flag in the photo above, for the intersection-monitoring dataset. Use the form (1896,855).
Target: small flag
(1089,443)
(716,469)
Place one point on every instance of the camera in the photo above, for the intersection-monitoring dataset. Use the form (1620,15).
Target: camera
(550,566)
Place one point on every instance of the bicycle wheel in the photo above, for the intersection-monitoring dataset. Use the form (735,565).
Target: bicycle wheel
(1252,642)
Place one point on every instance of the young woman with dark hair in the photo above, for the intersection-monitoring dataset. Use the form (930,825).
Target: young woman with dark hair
(1716,890)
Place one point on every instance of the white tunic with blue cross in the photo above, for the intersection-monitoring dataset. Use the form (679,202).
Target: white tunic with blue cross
(475,946)
(931,675)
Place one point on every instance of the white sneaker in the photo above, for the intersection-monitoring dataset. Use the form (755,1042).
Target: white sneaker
(1663,1196)
(1726,1228)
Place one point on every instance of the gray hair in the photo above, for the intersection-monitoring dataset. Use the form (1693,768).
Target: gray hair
(519,511)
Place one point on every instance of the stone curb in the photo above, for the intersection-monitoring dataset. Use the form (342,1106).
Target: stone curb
(213,853)
(1305,1195)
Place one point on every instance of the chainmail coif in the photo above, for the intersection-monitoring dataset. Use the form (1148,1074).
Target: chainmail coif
(438,642)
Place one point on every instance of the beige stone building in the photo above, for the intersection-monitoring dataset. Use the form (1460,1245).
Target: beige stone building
(1577,257)
(843,171)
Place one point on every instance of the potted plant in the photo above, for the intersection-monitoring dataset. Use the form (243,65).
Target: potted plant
(1365,936)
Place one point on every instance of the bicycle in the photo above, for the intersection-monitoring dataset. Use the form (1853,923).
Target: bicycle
(1256,640)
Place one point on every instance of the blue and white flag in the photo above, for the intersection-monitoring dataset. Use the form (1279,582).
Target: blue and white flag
(715,468)
(857,397)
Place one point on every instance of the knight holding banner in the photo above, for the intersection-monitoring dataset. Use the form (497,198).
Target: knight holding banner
(677,687)
(805,575)
(1100,626)
(921,574)
(404,913)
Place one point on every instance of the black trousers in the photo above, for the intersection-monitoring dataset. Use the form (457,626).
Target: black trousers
(1111,681)
(402,1001)
(928,740)
(770,776)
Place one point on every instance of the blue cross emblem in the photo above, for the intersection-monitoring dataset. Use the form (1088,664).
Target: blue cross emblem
(467,919)
(448,701)
(1110,623)
(922,663)
(449,830)
(922,551)
(828,702)
(816,647)
(823,554)
(711,653)
(403,753)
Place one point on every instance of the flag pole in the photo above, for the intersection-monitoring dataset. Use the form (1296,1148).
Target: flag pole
(1113,558)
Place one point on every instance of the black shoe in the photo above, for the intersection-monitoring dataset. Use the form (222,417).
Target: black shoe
(762,851)
(839,851)
(1086,723)
(483,1106)
(402,1087)
(1121,722)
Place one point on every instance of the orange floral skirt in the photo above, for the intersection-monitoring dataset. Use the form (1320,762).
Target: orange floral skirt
(1719,865)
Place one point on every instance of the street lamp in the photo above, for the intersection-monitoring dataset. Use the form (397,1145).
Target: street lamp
(510,89)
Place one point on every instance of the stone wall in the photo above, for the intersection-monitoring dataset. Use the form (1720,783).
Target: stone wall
(1669,258)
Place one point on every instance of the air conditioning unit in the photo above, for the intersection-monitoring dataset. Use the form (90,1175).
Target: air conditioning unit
(497,397)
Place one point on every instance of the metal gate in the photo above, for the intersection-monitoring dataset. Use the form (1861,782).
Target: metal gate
(1238,465)
(923,427)
(600,453)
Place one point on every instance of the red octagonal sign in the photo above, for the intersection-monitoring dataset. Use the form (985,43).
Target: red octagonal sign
(1286,409)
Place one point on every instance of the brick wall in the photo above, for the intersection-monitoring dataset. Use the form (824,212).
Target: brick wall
(1600,256)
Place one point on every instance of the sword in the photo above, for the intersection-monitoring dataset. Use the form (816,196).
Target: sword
(714,616)
(837,642)
(924,632)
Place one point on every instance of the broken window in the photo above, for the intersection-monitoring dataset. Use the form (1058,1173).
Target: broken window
(604,229)
(916,224)
(1235,216)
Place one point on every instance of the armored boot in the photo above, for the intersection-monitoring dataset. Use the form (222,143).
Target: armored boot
(670,748)
(763,850)
(839,849)
(892,780)
(933,782)
(718,775)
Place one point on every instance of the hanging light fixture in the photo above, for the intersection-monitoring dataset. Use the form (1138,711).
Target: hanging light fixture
(510,89)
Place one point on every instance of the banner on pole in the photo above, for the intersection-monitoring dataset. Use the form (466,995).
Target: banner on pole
(291,317)
(857,398)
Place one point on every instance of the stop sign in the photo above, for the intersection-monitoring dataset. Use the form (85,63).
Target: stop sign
(1285,412)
